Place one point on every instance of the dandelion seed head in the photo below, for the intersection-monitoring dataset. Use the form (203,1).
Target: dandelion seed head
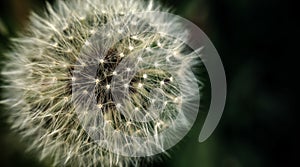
(72,80)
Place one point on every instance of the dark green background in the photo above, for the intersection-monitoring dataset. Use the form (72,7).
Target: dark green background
(257,44)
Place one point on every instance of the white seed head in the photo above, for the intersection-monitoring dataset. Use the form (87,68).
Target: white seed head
(52,84)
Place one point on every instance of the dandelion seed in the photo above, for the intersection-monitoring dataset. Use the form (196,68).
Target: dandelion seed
(118,105)
(100,106)
(122,55)
(177,100)
(130,48)
(87,43)
(70,37)
(140,59)
(120,31)
(140,85)
(159,44)
(135,37)
(93,31)
(101,61)
(66,99)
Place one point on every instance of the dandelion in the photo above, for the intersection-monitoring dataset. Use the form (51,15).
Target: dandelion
(95,83)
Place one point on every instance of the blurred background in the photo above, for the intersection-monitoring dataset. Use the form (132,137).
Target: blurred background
(256,40)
